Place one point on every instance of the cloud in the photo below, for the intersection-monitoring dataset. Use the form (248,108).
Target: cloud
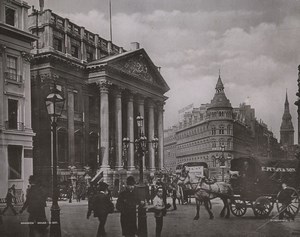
(254,43)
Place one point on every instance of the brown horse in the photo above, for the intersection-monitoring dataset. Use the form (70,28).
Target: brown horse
(205,191)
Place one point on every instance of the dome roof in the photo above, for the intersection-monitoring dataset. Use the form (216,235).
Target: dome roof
(220,100)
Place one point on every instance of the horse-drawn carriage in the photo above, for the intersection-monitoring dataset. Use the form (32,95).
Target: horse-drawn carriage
(194,170)
(256,184)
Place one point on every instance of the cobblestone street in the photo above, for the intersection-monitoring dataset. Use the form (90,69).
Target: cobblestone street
(176,223)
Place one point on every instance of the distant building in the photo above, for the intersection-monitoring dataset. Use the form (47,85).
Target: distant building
(105,88)
(15,97)
(287,132)
(205,130)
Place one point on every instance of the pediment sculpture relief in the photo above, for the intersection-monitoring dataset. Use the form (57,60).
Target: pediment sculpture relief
(136,67)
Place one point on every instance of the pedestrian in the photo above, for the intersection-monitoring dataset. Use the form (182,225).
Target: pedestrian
(158,207)
(126,204)
(101,206)
(13,188)
(70,193)
(35,204)
(9,202)
(285,198)
(174,197)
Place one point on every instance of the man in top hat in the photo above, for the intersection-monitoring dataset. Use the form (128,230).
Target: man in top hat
(126,204)
(101,206)
(35,204)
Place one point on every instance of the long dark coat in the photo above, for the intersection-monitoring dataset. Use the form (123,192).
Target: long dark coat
(102,205)
(126,204)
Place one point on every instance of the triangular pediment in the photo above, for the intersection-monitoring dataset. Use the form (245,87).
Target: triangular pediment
(138,65)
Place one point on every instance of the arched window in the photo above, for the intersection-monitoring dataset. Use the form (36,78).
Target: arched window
(213,130)
(221,129)
(229,144)
(213,144)
(221,143)
(228,129)
(213,159)
(62,145)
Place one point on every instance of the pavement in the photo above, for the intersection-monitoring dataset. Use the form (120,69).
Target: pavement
(176,223)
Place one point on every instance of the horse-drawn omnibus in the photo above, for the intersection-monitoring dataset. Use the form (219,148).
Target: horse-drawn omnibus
(256,184)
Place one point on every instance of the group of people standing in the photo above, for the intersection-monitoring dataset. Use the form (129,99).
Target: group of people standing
(127,203)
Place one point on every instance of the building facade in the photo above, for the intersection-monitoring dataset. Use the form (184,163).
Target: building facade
(217,129)
(15,97)
(105,88)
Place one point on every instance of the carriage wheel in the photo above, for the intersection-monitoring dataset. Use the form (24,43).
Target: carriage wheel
(238,207)
(294,204)
(262,207)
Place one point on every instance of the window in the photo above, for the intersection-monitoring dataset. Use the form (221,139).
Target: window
(57,44)
(229,143)
(12,114)
(213,130)
(14,161)
(228,129)
(74,51)
(221,129)
(214,144)
(12,67)
(10,16)
(89,56)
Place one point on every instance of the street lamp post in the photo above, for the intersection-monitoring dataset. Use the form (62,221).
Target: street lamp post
(140,146)
(54,103)
(297,103)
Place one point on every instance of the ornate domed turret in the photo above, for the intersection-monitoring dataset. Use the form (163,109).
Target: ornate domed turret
(220,100)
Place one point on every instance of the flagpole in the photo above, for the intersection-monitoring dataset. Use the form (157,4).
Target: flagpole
(110,21)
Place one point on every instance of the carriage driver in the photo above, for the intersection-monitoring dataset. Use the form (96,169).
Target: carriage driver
(285,198)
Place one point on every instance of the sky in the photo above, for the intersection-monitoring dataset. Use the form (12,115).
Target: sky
(254,44)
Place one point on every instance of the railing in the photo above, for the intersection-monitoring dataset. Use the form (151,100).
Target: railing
(13,77)
(14,126)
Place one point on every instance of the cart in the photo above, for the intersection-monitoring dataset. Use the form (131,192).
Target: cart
(257,184)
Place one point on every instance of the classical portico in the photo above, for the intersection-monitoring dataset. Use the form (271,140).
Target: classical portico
(129,85)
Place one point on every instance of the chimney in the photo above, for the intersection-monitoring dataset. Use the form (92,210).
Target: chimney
(134,46)
(121,50)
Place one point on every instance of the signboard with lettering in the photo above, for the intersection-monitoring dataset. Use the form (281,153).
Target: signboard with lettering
(277,169)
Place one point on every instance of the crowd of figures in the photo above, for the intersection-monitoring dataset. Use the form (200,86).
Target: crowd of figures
(100,205)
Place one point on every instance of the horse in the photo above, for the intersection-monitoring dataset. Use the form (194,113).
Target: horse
(204,191)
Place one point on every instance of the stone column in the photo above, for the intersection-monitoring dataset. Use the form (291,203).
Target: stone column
(161,135)
(141,110)
(71,140)
(130,132)
(151,135)
(118,128)
(104,123)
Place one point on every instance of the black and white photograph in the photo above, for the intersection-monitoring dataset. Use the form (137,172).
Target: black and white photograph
(149,118)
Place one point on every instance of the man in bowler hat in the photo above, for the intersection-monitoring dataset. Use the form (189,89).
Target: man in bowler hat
(126,204)
(101,206)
